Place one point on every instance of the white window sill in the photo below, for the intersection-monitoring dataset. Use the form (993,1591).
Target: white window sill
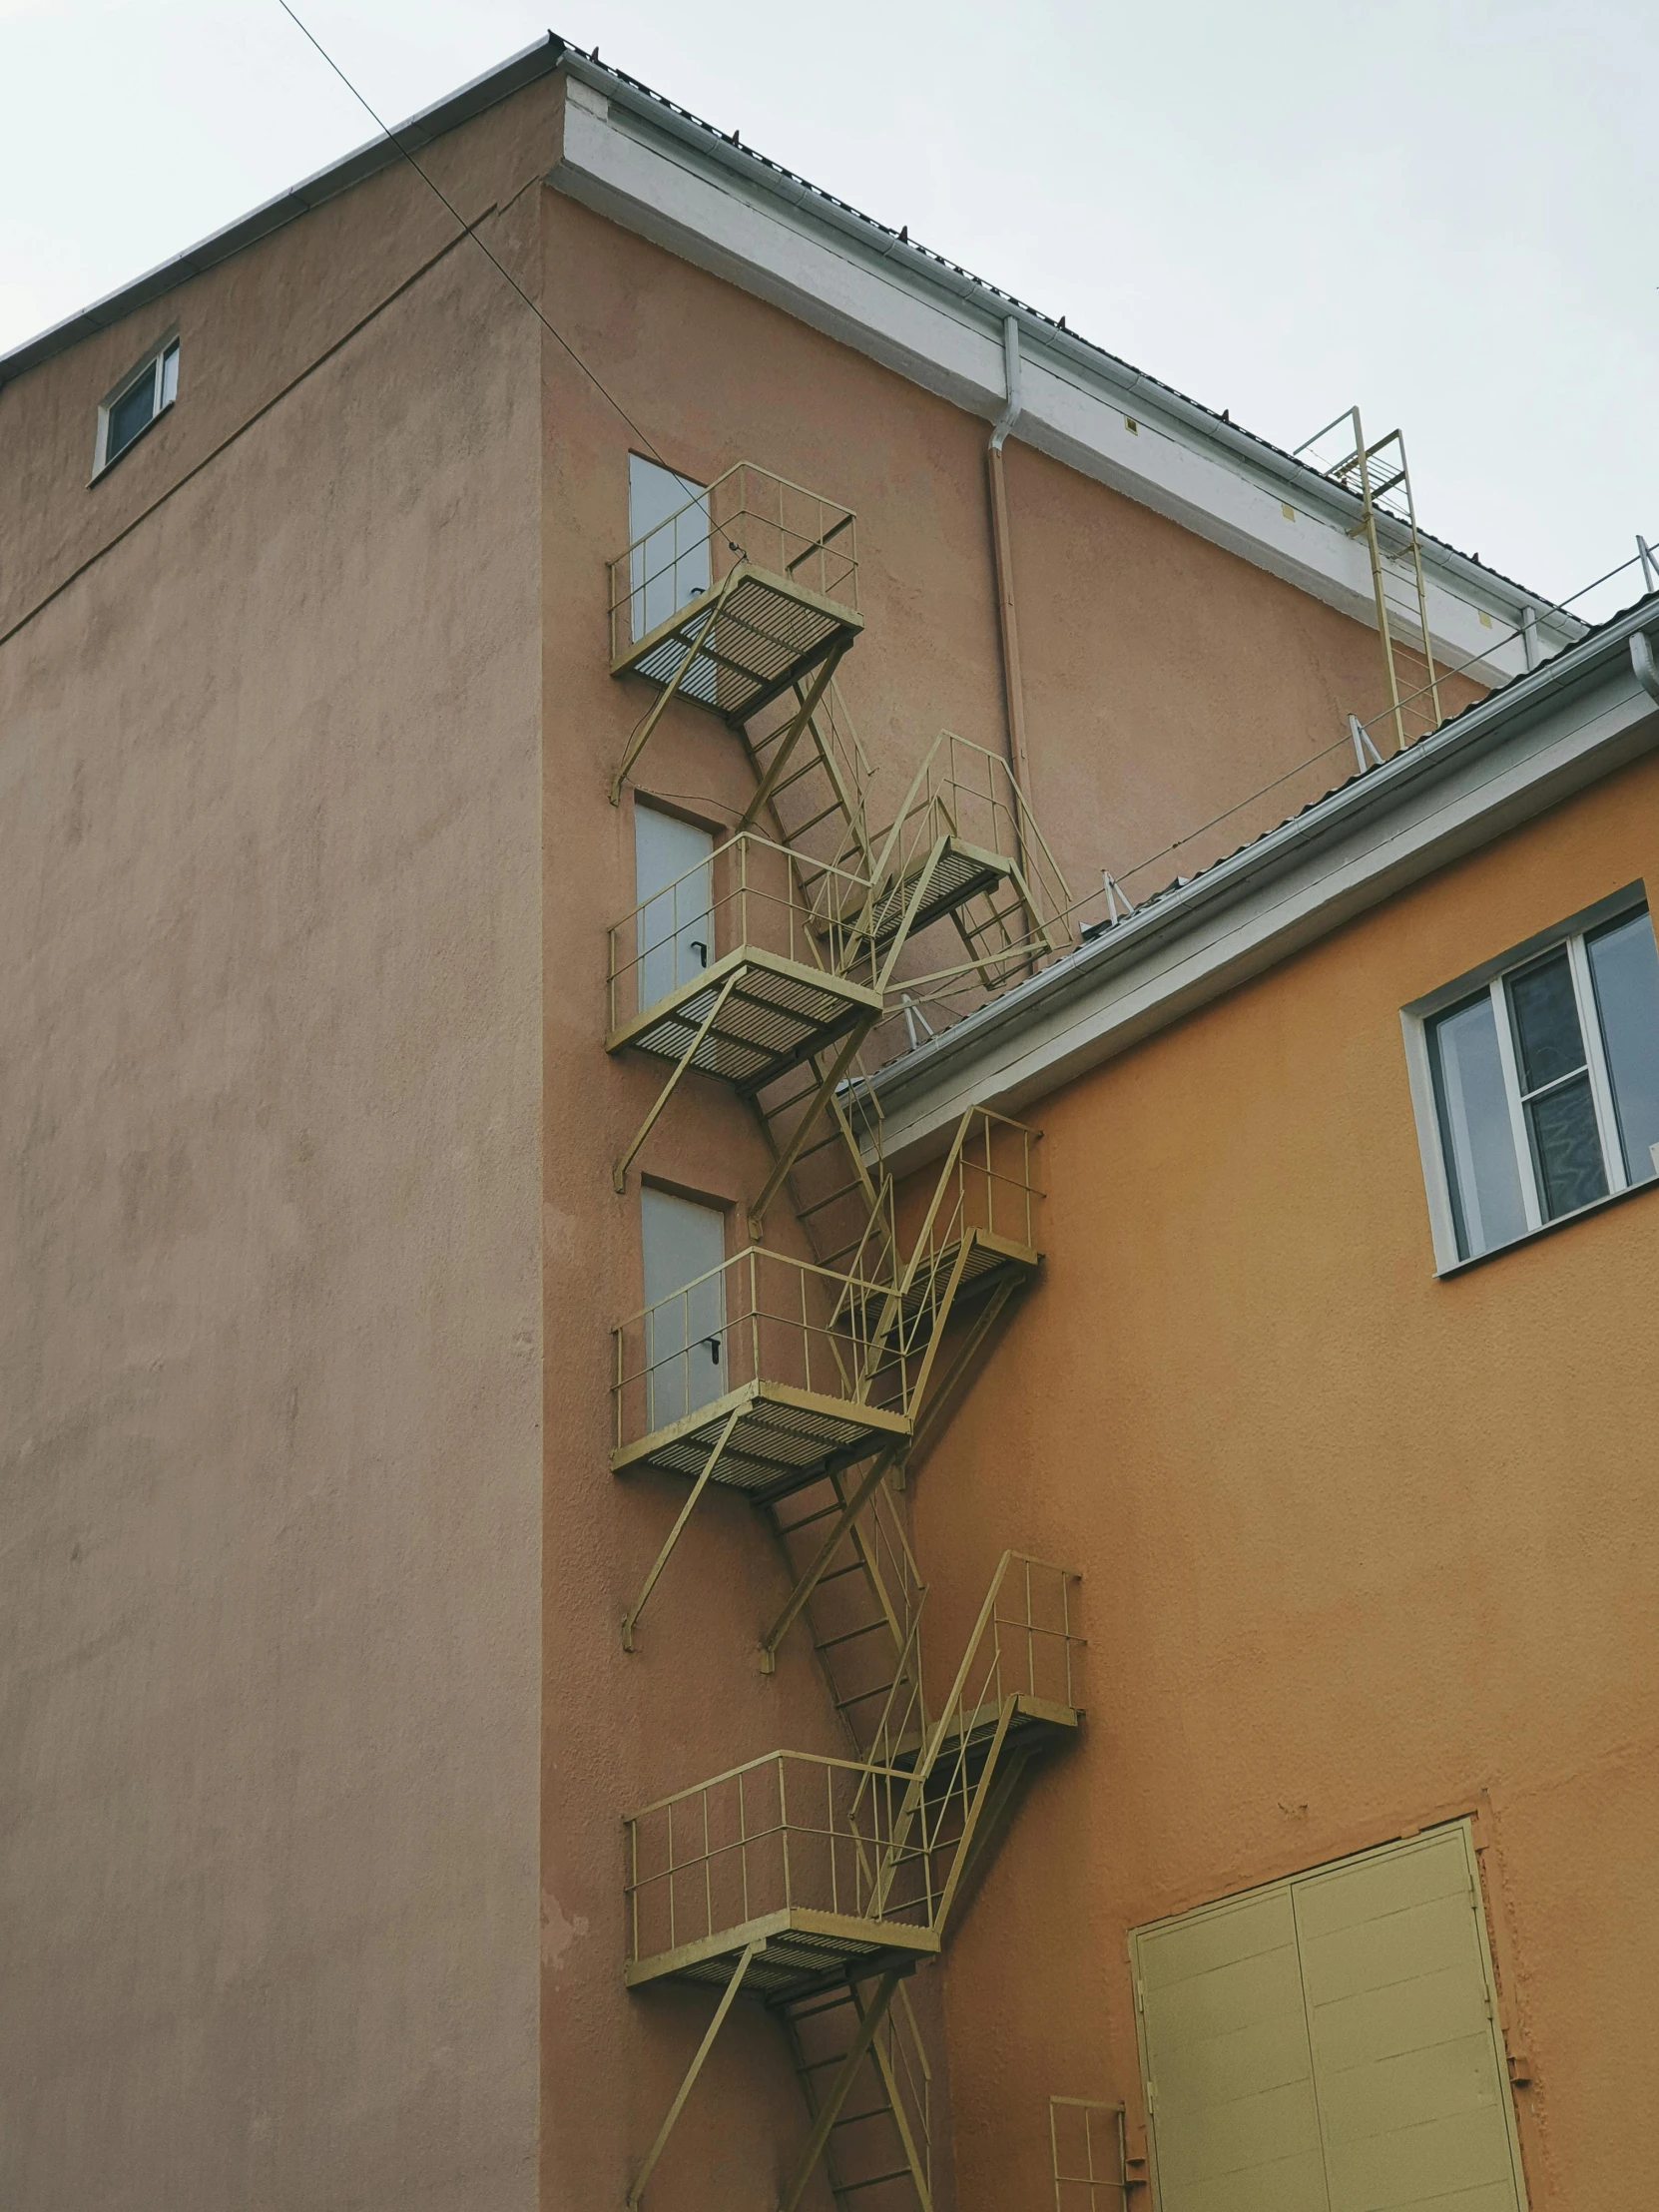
(1548,1228)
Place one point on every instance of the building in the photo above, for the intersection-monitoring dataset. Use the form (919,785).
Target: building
(467,806)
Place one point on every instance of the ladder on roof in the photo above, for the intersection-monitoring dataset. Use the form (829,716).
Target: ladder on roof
(1381,479)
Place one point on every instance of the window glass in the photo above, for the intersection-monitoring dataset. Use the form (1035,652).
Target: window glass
(1625,965)
(1475,1130)
(1556,1087)
(169,375)
(130,414)
(1548,1042)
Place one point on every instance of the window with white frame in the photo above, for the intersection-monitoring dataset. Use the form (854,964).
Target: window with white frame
(141,394)
(1542,1081)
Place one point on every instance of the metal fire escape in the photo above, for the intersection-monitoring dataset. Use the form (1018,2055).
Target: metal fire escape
(814,1385)
(1381,480)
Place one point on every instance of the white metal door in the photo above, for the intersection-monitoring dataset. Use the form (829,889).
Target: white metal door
(684,1247)
(667,533)
(675,923)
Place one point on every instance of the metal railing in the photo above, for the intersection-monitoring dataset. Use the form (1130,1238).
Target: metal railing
(792,1830)
(795,536)
(1023,1645)
(964,791)
(883,1839)
(1090,2154)
(747,896)
(760,1317)
(984,1185)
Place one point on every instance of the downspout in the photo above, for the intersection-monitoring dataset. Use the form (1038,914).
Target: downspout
(1643,666)
(1007,622)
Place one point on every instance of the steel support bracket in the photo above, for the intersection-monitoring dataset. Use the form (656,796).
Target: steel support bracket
(693,2070)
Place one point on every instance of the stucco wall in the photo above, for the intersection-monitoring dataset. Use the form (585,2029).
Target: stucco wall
(1163,673)
(269,881)
(1363,1550)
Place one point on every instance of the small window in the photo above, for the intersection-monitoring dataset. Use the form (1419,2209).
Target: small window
(142,394)
(1545,1082)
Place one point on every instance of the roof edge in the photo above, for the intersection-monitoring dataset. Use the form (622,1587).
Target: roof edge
(1129,383)
(365,161)
(988,1030)
(554,53)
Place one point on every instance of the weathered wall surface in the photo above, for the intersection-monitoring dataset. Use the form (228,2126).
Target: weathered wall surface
(270,1429)
(1162,673)
(1363,1550)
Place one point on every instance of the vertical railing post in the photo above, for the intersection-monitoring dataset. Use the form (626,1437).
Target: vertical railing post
(743,1844)
(708,1873)
(784,1827)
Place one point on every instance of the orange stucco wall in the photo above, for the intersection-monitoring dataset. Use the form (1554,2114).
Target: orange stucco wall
(1363,1550)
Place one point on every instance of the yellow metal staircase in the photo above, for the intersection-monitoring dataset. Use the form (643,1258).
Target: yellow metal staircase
(796,1874)
(814,1385)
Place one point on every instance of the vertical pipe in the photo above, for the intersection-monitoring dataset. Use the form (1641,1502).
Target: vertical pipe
(1007,620)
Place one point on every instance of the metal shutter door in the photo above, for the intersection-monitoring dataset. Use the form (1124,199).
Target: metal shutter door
(1413,2093)
(1230,2079)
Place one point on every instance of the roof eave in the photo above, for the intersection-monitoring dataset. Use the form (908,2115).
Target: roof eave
(366,161)
(973,1056)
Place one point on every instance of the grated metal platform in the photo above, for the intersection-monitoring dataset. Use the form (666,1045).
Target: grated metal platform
(768,633)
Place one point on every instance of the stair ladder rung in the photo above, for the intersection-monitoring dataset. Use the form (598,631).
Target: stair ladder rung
(832,1643)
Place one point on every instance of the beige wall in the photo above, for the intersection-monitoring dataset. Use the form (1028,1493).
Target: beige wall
(269,877)
(1363,1550)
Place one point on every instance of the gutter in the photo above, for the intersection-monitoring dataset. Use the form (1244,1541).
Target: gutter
(1007,618)
(995,308)
(976,1055)
(1147,398)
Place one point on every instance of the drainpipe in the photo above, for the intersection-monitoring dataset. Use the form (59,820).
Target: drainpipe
(1008,623)
(1644,666)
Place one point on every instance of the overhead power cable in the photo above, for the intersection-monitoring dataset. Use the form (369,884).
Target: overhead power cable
(469,231)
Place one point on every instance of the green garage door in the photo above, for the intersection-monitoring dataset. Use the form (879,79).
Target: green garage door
(1329,2045)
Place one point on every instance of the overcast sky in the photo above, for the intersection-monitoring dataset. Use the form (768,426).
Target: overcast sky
(1440,208)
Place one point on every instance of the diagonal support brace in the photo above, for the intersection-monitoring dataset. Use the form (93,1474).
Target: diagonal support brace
(809,1582)
(913,2156)
(638,742)
(808,701)
(619,1174)
(631,1619)
(695,2067)
(798,1136)
(830,2109)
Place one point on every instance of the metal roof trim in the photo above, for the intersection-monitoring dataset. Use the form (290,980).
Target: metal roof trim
(1128,383)
(328,183)
(555,53)
(1290,842)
